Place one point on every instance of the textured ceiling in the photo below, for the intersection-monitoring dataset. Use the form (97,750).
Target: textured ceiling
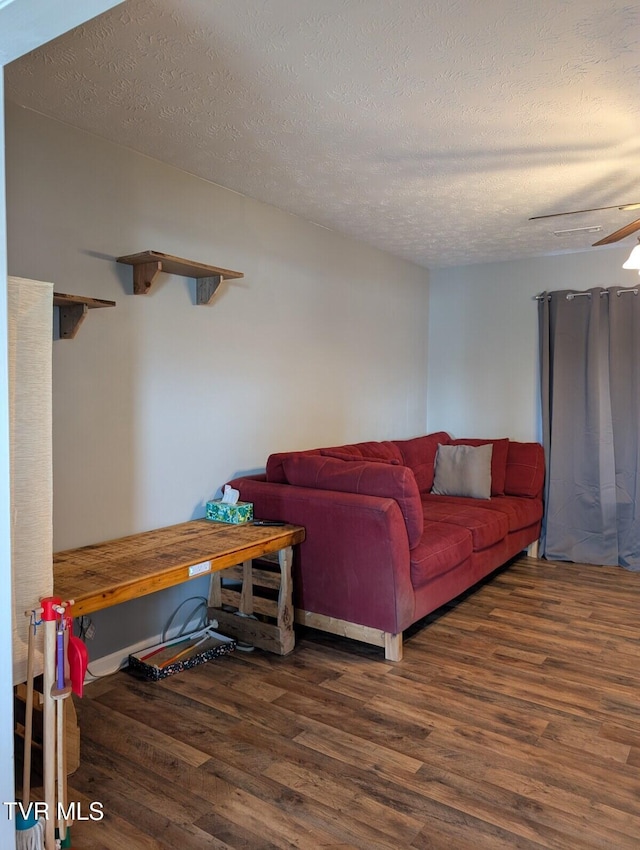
(432,130)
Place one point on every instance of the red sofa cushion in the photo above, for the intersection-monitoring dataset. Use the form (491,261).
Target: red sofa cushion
(442,548)
(419,454)
(525,470)
(371,479)
(486,526)
(384,450)
(521,513)
(351,457)
(498,460)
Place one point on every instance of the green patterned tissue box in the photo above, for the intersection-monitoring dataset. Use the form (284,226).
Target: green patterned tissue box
(220,511)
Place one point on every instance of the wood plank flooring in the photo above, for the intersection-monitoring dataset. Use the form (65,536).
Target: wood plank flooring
(513,723)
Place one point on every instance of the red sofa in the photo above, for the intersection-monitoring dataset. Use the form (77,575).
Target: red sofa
(381,550)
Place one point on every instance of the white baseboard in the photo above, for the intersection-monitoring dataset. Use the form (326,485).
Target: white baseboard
(109,664)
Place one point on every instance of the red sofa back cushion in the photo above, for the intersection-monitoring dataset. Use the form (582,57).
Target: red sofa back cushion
(525,470)
(370,479)
(358,458)
(384,450)
(419,454)
(498,461)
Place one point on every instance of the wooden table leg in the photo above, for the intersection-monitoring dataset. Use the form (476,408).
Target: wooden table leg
(246,595)
(215,591)
(266,622)
(285,594)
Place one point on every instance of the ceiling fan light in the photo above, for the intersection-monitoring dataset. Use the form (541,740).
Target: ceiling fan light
(633,262)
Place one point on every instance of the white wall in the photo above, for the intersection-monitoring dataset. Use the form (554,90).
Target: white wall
(158,402)
(483,343)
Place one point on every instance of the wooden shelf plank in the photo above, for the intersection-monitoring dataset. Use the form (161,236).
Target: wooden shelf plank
(148,264)
(60,299)
(73,311)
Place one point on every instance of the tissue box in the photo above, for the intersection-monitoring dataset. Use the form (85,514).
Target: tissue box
(220,511)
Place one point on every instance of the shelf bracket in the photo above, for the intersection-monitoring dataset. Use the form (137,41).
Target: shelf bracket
(206,288)
(144,275)
(71,317)
(73,311)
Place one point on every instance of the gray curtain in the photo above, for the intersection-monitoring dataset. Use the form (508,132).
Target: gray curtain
(590,384)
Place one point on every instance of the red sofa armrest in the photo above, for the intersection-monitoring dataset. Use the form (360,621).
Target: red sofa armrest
(354,561)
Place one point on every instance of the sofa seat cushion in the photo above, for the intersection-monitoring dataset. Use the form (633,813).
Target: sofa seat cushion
(370,479)
(487,527)
(520,512)
(442,548)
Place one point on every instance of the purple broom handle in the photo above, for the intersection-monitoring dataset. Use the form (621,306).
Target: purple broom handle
(60,658)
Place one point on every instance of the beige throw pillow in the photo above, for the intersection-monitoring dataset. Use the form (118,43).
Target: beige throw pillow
(463,471)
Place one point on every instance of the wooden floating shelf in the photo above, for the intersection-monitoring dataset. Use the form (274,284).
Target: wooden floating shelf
(73,310)
(148,265)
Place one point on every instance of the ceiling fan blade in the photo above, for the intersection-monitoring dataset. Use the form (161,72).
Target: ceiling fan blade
(627,230)
(593,209)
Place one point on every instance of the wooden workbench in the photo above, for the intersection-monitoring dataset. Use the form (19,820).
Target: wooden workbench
(105,574)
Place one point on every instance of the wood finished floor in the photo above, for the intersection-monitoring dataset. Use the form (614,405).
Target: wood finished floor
(513,722)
